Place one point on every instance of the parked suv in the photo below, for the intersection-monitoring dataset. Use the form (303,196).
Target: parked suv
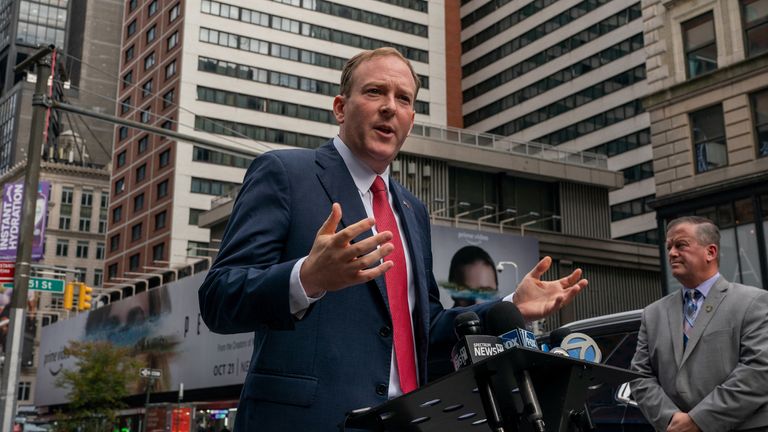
(612,407)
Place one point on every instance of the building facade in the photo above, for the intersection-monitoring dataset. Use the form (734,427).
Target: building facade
(569,74)
(708,77)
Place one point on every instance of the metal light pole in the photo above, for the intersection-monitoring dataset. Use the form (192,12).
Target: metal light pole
(18,304)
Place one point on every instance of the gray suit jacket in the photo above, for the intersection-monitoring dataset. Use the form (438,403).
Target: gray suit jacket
(721,378)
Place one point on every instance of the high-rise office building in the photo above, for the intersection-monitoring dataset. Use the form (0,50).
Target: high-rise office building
(570,74)
(708,76)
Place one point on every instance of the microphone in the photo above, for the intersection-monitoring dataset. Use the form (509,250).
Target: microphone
(505,320)
(582,347)
(472,346)
(505,317)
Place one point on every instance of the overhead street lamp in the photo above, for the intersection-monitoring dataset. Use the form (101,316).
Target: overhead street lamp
(465,213)
(529,223)
(505,221)
(481,219)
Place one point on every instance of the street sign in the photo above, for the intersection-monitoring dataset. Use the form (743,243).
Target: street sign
(7,270)
(150,373)
(41,284)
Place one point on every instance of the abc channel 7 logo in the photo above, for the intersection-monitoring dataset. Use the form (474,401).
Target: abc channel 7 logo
(582,347)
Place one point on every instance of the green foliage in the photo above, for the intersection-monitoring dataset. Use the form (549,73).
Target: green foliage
(97,385)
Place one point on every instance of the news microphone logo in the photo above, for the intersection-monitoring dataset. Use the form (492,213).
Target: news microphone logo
(582,347)
(519,338)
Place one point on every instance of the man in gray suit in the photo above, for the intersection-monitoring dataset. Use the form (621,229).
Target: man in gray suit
(706,348)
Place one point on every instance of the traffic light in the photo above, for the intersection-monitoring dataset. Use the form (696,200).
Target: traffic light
(69,295)
(84,297)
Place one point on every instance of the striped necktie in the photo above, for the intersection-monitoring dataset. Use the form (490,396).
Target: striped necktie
(690,307)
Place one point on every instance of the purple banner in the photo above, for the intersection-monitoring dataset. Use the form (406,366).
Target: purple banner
(10,220)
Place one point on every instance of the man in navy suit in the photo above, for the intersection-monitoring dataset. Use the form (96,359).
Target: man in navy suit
(314,283)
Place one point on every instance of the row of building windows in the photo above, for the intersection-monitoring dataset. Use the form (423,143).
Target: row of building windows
(648,237)
(499,26)
(558,78)
(271,106)
(161,191)
(364,16)
(564,47)
(81,249)
(529,37)
(596,122)
(582,97)
(212,187)
(134,261)
(260,133)
(65,223)
(305,29)
(624,144)
(200,154)
(631,208)
(638,172)
(417,5)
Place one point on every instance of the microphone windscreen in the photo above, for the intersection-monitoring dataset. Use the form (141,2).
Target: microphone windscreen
(557,336)
(503,317)
(466,323)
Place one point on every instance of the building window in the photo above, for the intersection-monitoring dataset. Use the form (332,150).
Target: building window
(638,172)
(114,243)
(700,45)
(146,88)
(62,247)
(117,214)
(129,53)
(142,144)
(136,232)
(149,61)
(195,248)
(112,271)
(119,186)
(141,173)
(168,124)
(131,28)
(152,9)
(151,34)
(99,251)
(80,273)
(98,277)
(170,70)
(194,215)
(81,250)
(120,159)
(162,189)
(25,388)
(212,187)
(128,79)
(132,5)
(65,222)
(85,224)
(760,112)
(158,252)
(133,262)
(146,115)
(138,202)
(160,220)
(66,195)
(123,133)
(631,208)
(708,132)
(125,105)
(102,223)
(104,200)
(173,13)
(86,198)
(755,18)
(164,158)
(173,40)
(168,98)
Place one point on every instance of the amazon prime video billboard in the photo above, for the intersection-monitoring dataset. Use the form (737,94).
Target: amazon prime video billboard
(466,264)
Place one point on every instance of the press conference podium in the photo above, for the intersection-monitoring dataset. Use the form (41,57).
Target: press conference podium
(453,404)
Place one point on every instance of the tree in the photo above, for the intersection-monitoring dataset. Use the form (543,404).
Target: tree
(97,385)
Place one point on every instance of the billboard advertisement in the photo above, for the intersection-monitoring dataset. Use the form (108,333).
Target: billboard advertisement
(466,264)
(10,222)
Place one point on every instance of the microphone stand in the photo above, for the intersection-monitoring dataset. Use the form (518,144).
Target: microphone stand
(531,407)
(492,414)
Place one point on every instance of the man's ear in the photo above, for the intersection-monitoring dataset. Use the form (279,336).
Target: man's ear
(711,252)
(339,103)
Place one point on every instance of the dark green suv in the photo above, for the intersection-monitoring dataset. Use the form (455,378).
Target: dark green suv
(612,407)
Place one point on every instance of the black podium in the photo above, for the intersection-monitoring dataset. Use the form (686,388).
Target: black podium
(453,403)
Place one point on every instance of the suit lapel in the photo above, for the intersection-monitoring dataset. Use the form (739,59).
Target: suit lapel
(337,182)
(708,309)
(675,318)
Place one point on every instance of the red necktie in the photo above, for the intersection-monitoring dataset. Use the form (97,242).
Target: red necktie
(397,289)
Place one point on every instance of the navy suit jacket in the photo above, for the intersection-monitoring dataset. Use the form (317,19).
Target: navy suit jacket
(306,374)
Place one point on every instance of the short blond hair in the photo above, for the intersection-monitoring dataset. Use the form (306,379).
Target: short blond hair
(352,64)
